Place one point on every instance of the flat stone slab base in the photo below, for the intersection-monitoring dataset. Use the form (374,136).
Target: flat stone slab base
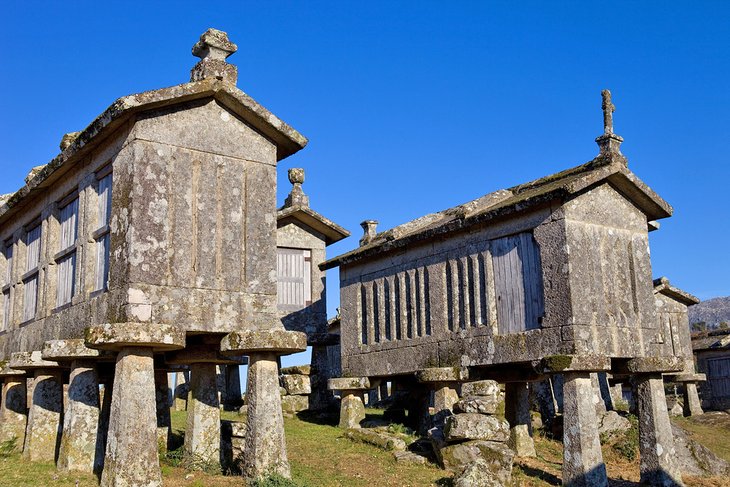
(280,342)
(348,384)
(442,374)
(67,350)
(116,336)
(30,361)
(6,371)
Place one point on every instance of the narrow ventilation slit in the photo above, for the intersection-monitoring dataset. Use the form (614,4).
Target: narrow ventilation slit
(449,297)
(364,314)
(427,301)
(419,308)
(461,296)
(398,307)
(482,288)
(409,307)
(376,313)
(387,306)
(472,292)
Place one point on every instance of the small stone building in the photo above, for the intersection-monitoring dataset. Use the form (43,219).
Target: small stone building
(550,276)
(150,244)
(712,353)
(302,235)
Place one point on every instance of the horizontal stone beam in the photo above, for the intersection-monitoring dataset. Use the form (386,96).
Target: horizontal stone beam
(557,364)
(442,374)
(115,336)
(348,384)
(68,350)
(650,365)
(278,341)
(685,378)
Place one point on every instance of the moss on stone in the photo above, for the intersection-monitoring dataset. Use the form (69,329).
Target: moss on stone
(558,362)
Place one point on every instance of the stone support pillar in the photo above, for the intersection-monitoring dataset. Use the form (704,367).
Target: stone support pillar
(321,397)
(444,382)
(162,402)
(352,408)
(692,405)
(265,444)
(81,420)
(203,432)
(582,458)
(233,388)
(181,390)
(13,415)
(43,431)
(384,391)
(597,395)
(659,464)
(444,397)
(132,459)
(517,414)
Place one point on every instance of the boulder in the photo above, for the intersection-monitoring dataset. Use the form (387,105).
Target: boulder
(497,456)
(612,422)
(481,388)
(477,404)
(409,457)
(476,474)
(294,404)
(695,459)
(376,438)
(296,384)
(472,426)
(676,410)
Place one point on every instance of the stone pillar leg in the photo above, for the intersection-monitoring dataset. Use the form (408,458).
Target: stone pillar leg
(44,419)
(517,414)
(13,418)
(181,390)
(444,397)
(162,401)
(131,452)
(233,388)
(582,458)
(81,421)
(692,405)
(203,430)
(352,409)
(103,432)
(265,446)
(656,444)
(597,396)
(384,392)
(320,398)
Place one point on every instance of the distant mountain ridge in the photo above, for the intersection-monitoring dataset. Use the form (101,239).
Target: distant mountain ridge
(712,312)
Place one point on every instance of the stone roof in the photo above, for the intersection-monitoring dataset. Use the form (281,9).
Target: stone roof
(711,340)
(662,285)
(287,140)
(607,167)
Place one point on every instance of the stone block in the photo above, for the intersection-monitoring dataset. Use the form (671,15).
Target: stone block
(352,411)
(376,438)
(294,404)
(30,361)
(442,374)
(408,457)
(278,341)
(296,384)
(348,383)
(297,369)
(115,336)
(497,456)
(477,474)
(480,388)
(478,404)
(472,426)
(575,363)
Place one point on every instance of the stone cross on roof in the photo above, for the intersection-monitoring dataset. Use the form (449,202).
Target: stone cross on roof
(608,109)
(213,48)
(609,142)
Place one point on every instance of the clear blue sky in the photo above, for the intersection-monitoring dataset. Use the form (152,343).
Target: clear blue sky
(413,107)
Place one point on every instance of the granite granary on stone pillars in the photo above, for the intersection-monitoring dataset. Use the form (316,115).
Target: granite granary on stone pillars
(552,276)
(301,237)
(154,227)
(672,303)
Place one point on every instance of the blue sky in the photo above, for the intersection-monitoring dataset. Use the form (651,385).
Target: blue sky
(413,107)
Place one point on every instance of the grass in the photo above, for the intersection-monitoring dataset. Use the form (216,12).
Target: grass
(321,457)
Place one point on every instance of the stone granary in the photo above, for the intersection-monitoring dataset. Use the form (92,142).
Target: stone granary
(551,276)
(672,303)
(150,244)
(712,352)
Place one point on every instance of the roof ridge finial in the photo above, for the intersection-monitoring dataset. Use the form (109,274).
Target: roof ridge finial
(213,48)
(297,196)
(609,142)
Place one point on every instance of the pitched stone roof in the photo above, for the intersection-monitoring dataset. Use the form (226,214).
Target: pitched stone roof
(662,286)
(287,140)
(610,167)
(711,340)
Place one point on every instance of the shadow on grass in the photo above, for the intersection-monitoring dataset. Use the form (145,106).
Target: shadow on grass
(318,417)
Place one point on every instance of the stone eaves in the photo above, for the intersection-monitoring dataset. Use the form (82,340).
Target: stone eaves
(713,340)
(663,286)
(503,203)
(305,215)
(287,140)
